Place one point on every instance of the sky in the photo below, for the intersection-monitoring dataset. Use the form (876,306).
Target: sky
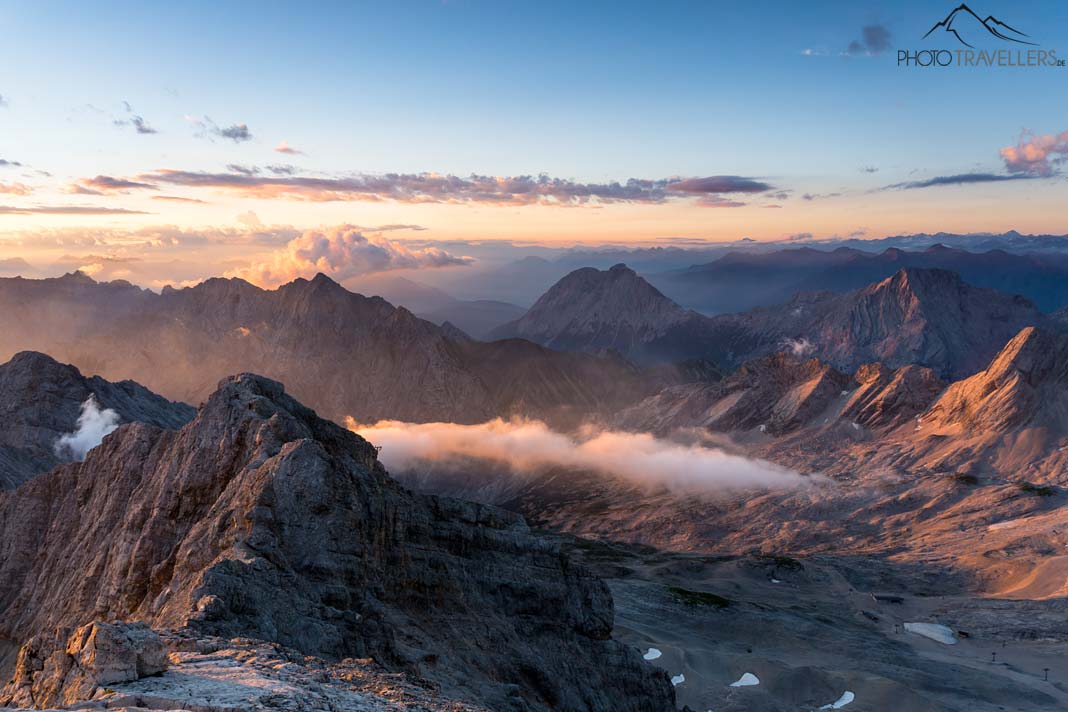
(268,139)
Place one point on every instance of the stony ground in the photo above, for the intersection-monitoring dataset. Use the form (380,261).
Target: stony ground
(810,630)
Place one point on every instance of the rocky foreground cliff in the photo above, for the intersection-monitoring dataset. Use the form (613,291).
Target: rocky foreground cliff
(260,520)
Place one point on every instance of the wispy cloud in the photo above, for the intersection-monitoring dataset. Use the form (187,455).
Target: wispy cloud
(178,199)
(5,163)
(65,210)
(719,184)
(874,40)
(342,252)
(135,120)
(439,188)
(3,101)
(238,133)
(102,185)
(958,179)
(15,188)
(284,147)
(1036,155)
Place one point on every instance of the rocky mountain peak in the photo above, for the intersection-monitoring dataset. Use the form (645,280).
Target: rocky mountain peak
(591,309)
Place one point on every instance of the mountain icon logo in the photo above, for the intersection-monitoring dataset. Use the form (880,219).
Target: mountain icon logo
(964,24)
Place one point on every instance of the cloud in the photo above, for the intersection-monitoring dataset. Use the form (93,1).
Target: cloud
(819,196)
(719,184)
(66,210)
(178,199)
(718,201)
(415,188)
(813,52)
(4,163)
(959,179)
(15,188)
(3,101)
(238,133)
(101,185)
(1036,155)
(135,120)
(284,147)
(874,40)
(869,169)
(342,252)
(531,446)
(235,132)
(798,347)
(93,425)
(250,219)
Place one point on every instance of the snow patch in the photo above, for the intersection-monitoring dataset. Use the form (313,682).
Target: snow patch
(934,631)
(746,680)
(841,702)
(652,654)
(678,679)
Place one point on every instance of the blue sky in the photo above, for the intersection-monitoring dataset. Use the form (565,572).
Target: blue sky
(589,92)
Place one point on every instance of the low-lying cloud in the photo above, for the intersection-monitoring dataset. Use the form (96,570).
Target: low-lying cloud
(342,252)
(531,446)
(94,424)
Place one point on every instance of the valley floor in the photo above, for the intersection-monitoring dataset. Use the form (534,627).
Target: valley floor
(810,630)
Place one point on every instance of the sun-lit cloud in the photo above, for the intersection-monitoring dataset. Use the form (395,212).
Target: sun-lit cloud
(1036,155)
(529,446)
(284,147)
(65,210)
(102,185)
(178,199)
(342,252)
(15,188)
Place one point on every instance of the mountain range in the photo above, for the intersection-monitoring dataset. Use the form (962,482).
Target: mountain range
(312,334)
(740,281)
(925,317)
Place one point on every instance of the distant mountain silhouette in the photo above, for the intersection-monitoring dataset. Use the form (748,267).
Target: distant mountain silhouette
(960,20)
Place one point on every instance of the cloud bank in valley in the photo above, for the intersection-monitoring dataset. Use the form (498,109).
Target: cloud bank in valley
(94,424)
(530,446)
(342,252)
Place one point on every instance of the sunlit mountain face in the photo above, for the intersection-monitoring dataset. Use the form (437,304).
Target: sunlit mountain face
(475,357)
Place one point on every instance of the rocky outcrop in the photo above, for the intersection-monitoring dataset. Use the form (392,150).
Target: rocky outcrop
(1026,382)
(260,519)
(93,658)
(775,395)
(309,334)
(887,397)
(41,400)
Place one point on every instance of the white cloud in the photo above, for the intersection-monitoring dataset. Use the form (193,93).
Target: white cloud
(93,425)
(532,446)
(342,252)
